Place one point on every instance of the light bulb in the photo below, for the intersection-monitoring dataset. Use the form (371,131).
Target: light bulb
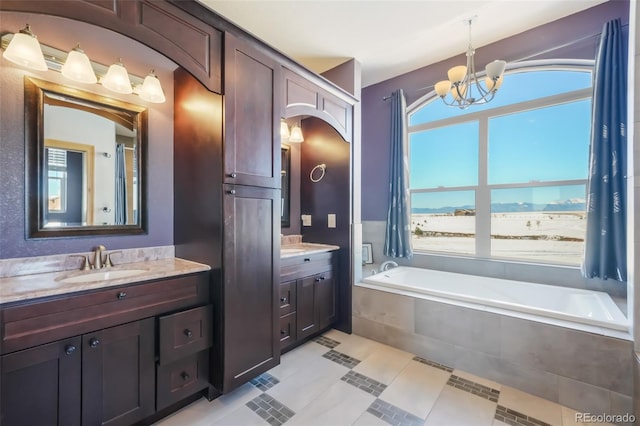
(296,134)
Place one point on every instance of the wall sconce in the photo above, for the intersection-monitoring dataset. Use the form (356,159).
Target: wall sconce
(284,131)
(24,49)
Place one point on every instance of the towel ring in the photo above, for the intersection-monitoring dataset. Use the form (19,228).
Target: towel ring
(322,168)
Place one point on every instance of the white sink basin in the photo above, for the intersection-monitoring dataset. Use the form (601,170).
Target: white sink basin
(102,276)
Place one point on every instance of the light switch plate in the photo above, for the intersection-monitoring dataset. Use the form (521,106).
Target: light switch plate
(331,220)
(306,220)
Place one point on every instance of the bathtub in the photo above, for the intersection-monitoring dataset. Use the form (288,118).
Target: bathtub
(517,298)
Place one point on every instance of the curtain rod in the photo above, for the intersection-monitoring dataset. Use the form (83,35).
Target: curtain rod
(533,55)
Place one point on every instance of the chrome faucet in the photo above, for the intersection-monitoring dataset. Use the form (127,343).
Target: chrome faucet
(98,263)
(388,265)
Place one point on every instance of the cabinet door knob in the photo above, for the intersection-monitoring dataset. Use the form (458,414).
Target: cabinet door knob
(121,295)
(317,279)
(185,375)
(188,333)
(69,349)
(322,277)
(306,259)
(94,342)
(283,299)
(233,175)
(283,332)
(231,191)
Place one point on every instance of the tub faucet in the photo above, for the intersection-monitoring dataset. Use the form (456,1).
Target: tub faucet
(388,265)
(97,257)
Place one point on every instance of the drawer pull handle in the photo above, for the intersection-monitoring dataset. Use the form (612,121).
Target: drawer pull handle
(188,333)
(121,295)
(185,376)
(306,259)
(322,277)
(233,175)
(231,191)
(318,279)
(283,299)
(69,349)
(94,342)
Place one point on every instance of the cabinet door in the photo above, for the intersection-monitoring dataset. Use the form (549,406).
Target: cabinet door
(252,117)
(325,299)
(306,318)
(251,338)
(41,385)
(118,377)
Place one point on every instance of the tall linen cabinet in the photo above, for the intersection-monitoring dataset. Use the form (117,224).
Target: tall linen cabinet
(227,211)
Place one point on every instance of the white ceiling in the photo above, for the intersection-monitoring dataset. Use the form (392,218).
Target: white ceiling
(388,37)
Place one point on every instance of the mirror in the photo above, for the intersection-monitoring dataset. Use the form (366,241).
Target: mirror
(285,188)
(85,164)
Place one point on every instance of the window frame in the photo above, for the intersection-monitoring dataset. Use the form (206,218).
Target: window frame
(483,188)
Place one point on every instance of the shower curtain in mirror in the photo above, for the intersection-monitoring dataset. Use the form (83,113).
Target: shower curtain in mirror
(121,187)
(398,235)
(605,244)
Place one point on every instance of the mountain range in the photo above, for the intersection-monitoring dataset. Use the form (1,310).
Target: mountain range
(570,205)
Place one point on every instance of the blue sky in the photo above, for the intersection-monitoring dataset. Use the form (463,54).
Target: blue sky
(545,144)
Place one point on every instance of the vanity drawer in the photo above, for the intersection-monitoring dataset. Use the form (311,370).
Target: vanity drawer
(287,330)
(295,267)
(287,298)
(32,323)
(182,378)
(185,333)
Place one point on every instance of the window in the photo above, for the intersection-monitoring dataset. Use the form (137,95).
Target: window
(506,179)
(56,180)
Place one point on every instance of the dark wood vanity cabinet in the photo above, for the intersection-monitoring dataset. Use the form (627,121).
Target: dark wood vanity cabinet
(94,375)
(307,296)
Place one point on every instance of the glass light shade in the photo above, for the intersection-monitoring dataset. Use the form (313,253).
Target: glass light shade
(284,130)
(495,69)
(491,86)
(151,90)
(117,79)
(78,68)
(296,134)
(457,74)
(462,89)
(24,49)
(442,87)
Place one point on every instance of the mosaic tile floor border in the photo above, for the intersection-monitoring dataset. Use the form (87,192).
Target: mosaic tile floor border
(269,409)
(325,341)
(365,383)
(433,364)
(515,418)
(341,358)
(475,388)
(264,382)
(393,415)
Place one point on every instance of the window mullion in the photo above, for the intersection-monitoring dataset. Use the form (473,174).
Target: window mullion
(483,195)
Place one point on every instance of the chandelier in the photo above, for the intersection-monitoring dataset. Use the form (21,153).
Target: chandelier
(465,86)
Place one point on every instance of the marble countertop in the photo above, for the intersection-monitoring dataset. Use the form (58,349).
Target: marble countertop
(301,249)
(25,287)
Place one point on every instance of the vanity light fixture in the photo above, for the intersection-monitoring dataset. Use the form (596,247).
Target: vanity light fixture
(78,68)
(296,134)
(151,90)
(117,79)
(24,49)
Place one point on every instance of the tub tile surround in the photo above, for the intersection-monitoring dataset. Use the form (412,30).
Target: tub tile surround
(416,393)
(585,371)
(42,278)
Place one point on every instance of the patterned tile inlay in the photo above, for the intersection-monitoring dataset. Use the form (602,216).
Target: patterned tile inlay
(341,358)
(325,341)
(265,381)
(433,364)
(474,388)
(271,410)
(393,415)
(365,383)
(514,418)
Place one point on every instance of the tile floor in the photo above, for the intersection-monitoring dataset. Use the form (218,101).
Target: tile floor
(341,379)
